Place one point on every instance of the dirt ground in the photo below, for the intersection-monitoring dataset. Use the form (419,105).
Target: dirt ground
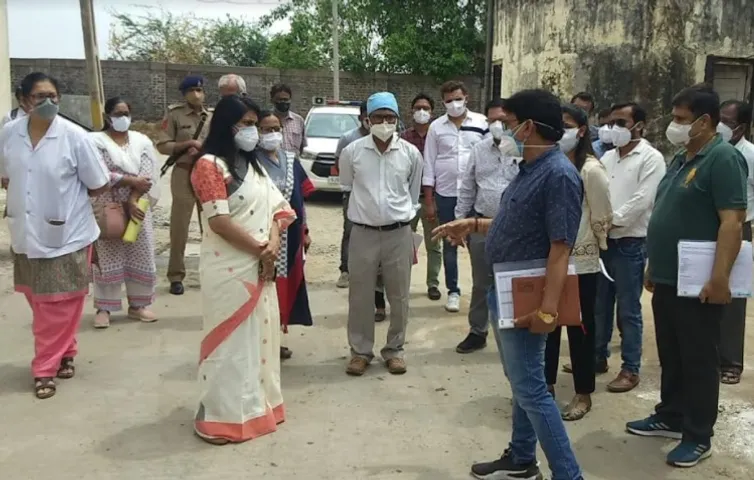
(127,415)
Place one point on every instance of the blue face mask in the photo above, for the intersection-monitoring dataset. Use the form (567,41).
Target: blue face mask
(519,143)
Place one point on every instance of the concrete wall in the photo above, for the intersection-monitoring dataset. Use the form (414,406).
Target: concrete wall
(643,50)
(150,87)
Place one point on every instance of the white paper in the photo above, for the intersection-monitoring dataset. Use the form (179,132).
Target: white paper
(695,262)
(504,291)
(603,269)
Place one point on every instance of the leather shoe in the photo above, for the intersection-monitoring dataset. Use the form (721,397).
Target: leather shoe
(176,288)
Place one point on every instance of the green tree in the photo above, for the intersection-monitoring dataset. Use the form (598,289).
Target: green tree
(442,38)
(237,42)
(160,36)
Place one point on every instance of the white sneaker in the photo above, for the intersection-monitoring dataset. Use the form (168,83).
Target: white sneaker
(454,303)
(342,280)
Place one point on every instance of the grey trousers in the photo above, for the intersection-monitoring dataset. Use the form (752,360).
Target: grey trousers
(733,327)
(482,278)
(369,251)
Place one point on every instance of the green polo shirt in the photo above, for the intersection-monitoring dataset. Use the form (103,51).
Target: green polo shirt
(687,203)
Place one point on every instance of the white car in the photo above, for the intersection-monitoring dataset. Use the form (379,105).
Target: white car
(323,128)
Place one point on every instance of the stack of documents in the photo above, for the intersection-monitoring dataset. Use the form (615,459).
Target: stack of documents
(504,275)
(695,262)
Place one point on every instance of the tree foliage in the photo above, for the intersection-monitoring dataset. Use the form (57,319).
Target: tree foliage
(161,36)
(441,38)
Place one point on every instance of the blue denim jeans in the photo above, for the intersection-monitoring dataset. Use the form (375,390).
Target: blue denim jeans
(625,260)
(535,414)
(446,212)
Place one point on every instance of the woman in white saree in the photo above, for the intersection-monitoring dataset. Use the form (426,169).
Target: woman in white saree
(130,158)
(243,214)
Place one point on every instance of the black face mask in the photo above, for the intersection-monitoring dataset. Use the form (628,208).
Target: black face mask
(283,107)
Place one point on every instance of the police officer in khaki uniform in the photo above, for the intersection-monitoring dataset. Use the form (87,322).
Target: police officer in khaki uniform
(178,129)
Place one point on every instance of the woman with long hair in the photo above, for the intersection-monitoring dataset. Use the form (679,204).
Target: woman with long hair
(134,172)
(596,216)
(243,216)
(290,178)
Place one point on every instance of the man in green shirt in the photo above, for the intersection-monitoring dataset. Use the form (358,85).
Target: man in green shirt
(702,197)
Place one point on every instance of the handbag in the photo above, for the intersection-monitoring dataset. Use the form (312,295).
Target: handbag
(111,219)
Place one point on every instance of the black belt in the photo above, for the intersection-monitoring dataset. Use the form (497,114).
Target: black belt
(384,228)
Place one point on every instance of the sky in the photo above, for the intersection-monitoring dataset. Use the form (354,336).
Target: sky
(52,28)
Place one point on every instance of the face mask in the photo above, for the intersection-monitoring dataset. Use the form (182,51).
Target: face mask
(621,136)
(725,131)
(519,144)
(271,141)
(678,134)
(497,130)
(47,109)
(195,98)
(247,138)
(569,140)
(283,107)
(456,108)
(606,135)
(509,146)
(422,117)
(120,124)
(383,131)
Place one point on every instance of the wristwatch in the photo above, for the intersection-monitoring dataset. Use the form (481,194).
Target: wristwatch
(546,317)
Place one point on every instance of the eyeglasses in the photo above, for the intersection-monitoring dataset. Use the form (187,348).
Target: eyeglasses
(40,97)
(387,118)
(270,129)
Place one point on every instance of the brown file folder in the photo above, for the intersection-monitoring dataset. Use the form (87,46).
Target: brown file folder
(528,293)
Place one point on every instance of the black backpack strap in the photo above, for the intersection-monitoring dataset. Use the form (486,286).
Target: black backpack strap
(14,113)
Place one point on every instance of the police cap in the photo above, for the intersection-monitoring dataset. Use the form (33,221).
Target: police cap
(192,81)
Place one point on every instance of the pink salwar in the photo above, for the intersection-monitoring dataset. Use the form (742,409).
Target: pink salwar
(56,290)
(54,325)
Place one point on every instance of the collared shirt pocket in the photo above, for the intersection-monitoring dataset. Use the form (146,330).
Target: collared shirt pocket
(52,233)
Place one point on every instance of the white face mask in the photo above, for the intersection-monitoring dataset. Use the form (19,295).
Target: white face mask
(271,141)
(497,130)
(247,138)
(120,124)
(621,136)
(678,134)
(606,134)
(569,140)
(456,108)
(384,131)
(725,131)
(508,147)
(422,117)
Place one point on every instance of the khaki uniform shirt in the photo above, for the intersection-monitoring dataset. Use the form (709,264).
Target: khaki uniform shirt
(179,125)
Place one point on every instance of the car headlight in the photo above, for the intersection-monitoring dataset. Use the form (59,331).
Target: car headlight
(308,155)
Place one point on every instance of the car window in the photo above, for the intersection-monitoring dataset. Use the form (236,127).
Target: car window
(330,125)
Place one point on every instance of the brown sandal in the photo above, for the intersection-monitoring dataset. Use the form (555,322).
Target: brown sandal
(44,387)
(67,369)
(731,376)
(577,409)
(213,440)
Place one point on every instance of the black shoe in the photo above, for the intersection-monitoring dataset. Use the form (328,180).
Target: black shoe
(505,468)
(285,353)
(600,366)
(176,288)
(472,343)
(434,293)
